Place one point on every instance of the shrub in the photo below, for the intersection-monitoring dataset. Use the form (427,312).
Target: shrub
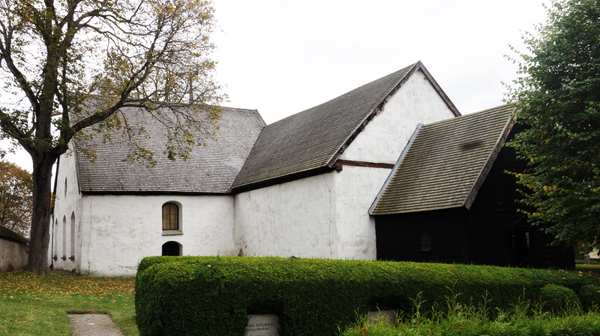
(469,324)
(557,298)
(213,295)
(590,296)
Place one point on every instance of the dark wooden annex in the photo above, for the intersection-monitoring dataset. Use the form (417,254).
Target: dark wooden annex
(487,229)
(491,232)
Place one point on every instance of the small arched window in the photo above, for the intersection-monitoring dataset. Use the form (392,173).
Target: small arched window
(425,242)
(64,238)
(54,246)
(66,186)
(171,248)
(170,217)
(72,255)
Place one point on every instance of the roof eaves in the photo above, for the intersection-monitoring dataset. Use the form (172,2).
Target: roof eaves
(395,169)
(77,174)
(147,193)
(490,162)
(12,236)
(280,179)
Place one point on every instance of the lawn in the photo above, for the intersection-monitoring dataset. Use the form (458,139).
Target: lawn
(34,305)
(593,269)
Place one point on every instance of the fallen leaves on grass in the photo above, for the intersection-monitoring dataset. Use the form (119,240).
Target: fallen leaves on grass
(63,284)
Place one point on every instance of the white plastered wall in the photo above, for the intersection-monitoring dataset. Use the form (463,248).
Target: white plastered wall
(289,219)
(384,137)
(64,249)
(355,190)
(119,231)
(326,216)
(381,141)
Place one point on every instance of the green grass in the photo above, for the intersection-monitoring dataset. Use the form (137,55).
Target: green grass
(460,320)
(593,269)
(34,305)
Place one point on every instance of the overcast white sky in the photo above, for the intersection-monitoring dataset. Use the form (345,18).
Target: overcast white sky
(283,56)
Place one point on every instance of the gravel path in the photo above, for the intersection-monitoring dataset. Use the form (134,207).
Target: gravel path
(93,325)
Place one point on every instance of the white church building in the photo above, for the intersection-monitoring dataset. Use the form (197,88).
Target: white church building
(302,186)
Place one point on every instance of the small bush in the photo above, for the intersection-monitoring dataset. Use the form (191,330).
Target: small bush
(213,295)
(590,296)
(558,299)
(468,322)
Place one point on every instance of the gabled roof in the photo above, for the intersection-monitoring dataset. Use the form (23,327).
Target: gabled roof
(311,141)
(445,163)
(210,169)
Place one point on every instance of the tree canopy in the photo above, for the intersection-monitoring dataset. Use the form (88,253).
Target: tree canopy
(70,67)
(71,64)
(15,198)
(558,100)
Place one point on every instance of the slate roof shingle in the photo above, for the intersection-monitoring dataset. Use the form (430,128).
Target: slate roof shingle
(445,164)
(211,168)
(310,140)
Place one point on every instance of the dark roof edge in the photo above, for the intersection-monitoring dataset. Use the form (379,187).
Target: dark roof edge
(439,90)
(281,179)
(490,160)
(418,66)
(470,115)
(396,166)
(376,109)
(260,118)
(76,158)
(10,235)
(150,193)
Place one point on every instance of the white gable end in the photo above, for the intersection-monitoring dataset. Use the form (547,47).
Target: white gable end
(384,137)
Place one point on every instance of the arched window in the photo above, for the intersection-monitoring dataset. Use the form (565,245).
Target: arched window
(72,256)
(171,248)
(426,242)
(170,217)
(66,185)
(54,247)
(64,238)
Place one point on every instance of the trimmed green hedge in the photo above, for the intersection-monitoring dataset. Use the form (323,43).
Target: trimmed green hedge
(213,295)
(590,296)
(556,298)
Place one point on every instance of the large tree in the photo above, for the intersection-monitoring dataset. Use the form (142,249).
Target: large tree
(15,198)
(68,66)
(558,99)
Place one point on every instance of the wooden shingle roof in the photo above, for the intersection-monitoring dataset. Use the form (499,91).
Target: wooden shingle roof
(313,139)
(445,163)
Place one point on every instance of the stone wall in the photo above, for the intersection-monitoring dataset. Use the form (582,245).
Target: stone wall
(13,254)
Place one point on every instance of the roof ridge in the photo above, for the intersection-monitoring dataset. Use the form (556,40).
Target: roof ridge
(312,140)
(472,114)
(345,93)
(347,113)
(407,72)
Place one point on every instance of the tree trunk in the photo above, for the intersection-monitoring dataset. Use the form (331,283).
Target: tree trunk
(40,217)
